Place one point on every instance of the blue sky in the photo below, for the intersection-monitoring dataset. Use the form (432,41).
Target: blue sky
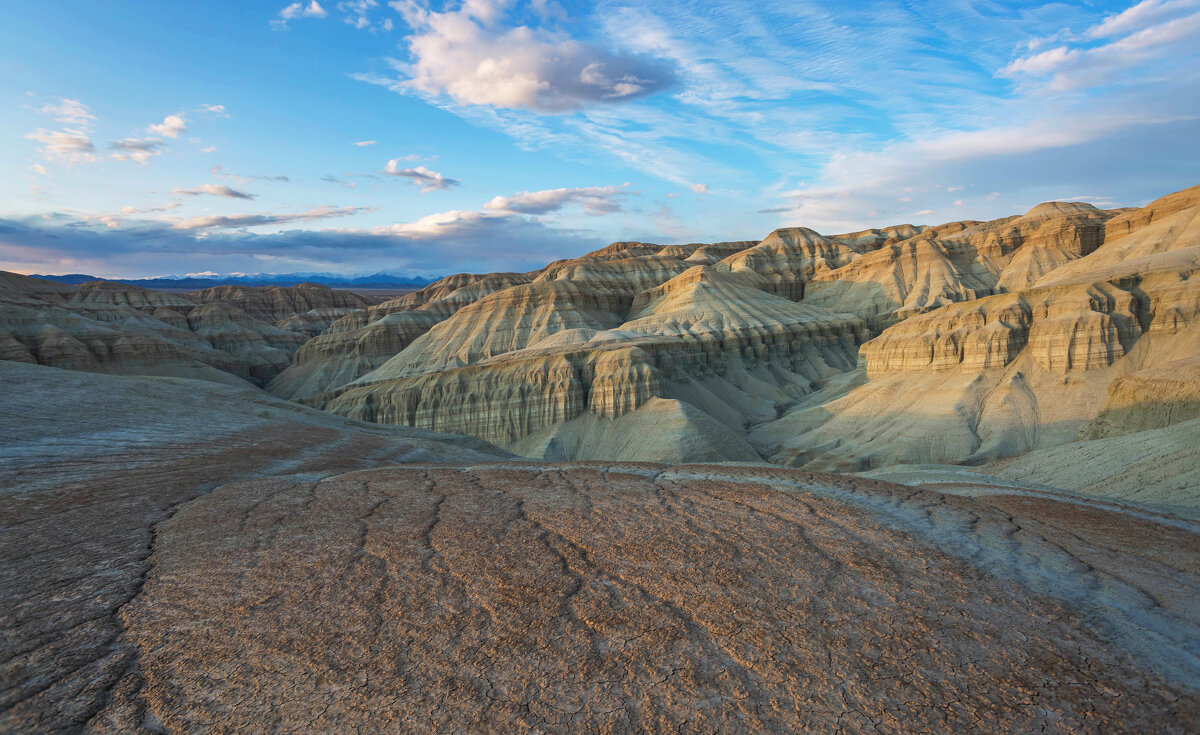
(146,138)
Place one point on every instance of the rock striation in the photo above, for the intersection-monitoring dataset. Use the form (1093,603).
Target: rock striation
(1103,344)
(111,327)
(962,342)
(308,308)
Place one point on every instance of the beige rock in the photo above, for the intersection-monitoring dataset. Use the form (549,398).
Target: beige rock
(111,327)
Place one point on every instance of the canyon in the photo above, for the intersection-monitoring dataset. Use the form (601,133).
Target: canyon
(915,478)
(962,344)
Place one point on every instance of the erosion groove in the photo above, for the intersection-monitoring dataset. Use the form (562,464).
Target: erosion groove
(715,598)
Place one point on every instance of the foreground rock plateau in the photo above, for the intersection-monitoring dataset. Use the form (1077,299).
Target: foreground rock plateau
(184,556)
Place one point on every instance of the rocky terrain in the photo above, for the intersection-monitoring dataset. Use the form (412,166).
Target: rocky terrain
(188,556)
(228,334)
(557,502)
(964,343)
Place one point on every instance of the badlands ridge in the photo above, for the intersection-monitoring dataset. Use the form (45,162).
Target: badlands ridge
(465,509)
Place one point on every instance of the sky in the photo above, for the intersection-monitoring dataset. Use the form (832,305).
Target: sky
(361,136)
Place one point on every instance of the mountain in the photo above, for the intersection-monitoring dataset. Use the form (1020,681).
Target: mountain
(175,283)
(963,343)
(230,334)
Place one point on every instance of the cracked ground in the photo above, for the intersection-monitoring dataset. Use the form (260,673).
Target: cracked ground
(178,564)
(638,598)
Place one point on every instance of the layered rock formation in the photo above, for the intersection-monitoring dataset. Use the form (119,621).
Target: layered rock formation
(1104,344)
(979,340)
(526,358)
(308,308)
(111,327)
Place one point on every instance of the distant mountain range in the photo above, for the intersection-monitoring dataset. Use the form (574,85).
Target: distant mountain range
(377,280)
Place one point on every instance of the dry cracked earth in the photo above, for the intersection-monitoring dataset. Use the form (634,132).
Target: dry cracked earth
(510,597)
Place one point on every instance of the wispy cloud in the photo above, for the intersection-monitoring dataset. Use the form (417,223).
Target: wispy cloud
(426,179)
(1141,16)
(69,111)
(329,178)
(227,221)
(595,200)
(71,145)
(360,14)
(298,10)
(365,143)
(1147,32)
(68,146)
(242,180)
(140,150)
(216,190)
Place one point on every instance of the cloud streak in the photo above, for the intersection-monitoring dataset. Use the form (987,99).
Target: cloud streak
(217,190)
(426,179)
(227,221)
(140,150)
(595,200)
(69,146)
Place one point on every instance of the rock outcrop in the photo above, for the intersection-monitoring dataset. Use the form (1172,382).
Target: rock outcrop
(979,340)
(308,308)
(111,327)
(1084,350)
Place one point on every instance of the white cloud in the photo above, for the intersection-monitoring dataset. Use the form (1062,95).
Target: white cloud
(365,143)
(454,223)
(358,14)
(421,176)
(38,168)
(218,110)
(217,190)
(172,126)
(209,149)
(69,111)
(467,57)
(1151,31)
(298,10)
(595,200)
(699,188)
(226,221)
(69,146)
(1142,15)
(136,149)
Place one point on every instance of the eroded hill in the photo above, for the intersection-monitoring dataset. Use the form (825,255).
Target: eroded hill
(962,343)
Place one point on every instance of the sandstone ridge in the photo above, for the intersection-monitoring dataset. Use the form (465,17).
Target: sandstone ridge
(964,342)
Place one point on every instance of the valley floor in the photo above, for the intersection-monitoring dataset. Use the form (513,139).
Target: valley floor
(186,556)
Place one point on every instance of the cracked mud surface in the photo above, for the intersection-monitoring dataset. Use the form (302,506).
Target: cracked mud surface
(630,598)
